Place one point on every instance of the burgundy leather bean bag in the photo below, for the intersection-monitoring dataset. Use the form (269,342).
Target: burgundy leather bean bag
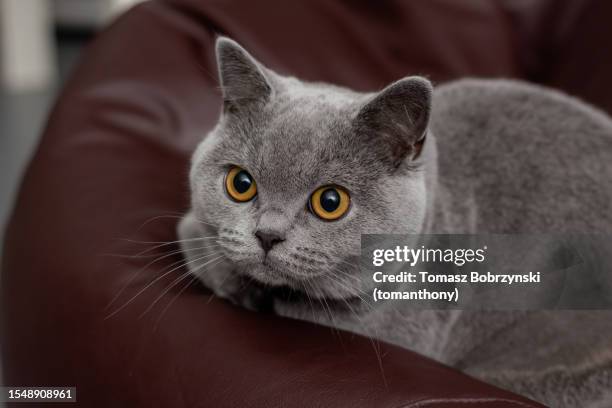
(110,178)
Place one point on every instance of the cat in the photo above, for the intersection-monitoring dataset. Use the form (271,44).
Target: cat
(294,172)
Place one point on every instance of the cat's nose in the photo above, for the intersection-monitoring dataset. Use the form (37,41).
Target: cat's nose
(267,239)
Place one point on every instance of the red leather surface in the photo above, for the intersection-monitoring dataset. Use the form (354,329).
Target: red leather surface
(113,163)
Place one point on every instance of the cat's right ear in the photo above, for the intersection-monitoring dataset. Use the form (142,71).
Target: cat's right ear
(243,79)
(394,122)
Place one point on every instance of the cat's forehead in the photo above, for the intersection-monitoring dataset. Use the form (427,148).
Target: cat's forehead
(303,135)
(302,141)
(306,122)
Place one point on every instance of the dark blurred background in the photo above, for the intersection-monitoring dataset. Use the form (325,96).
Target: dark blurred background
(40,41)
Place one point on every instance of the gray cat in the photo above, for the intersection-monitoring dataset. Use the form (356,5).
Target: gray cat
(294,172)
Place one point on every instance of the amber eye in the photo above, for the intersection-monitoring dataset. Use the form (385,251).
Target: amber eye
(240,185)
(329,202)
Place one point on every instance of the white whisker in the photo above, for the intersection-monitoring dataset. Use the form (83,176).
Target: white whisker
(141,270)
(166,243)
(157,279)
(177,281)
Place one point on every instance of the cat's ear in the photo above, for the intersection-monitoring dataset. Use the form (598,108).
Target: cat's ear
(243,79)
(395,120)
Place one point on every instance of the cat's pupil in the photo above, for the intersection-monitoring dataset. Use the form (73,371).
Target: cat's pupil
(242,181)
(330,200)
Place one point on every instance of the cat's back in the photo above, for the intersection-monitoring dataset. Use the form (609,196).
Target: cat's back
(527,158)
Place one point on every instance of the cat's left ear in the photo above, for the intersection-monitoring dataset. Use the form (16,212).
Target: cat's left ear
(395,120)
(244,81)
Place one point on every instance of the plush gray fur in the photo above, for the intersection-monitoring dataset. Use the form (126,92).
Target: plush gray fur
(472,156)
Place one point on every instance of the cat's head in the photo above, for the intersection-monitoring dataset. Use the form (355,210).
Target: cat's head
(294,172)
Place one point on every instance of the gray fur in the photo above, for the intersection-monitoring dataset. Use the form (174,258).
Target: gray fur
(498,157)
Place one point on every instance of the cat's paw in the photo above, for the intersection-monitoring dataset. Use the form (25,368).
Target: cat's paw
(253,297)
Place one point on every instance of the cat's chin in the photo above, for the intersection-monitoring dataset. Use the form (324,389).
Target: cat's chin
(271,273)
(281,279)
(292,291)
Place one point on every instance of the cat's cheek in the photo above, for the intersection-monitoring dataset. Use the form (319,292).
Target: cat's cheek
(408,215)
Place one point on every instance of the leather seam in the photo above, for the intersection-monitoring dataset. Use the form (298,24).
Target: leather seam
(428,401)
